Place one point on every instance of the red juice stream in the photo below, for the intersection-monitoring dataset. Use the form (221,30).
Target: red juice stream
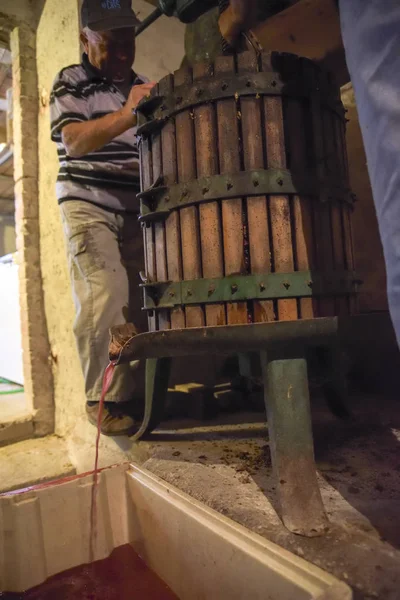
(107,379)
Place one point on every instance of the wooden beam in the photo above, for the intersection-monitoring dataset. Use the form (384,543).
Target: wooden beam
(309,28)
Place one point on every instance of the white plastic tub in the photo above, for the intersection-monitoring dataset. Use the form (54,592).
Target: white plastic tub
(196,551)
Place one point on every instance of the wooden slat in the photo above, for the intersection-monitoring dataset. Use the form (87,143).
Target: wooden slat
(297,121)
(159,228)
(348,237)
(325,232)
(325,306)
(189,221)
(257,207)
(279,204)
(339,258)
(205,123)
(146,175)
(172,224)
(229,162)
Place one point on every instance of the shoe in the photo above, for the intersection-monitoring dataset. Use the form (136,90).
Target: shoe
(114,420)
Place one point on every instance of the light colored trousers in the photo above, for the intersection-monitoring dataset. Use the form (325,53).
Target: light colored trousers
(105,255)
(371,35)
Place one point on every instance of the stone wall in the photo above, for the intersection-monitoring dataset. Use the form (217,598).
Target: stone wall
(57,46)
(36,350)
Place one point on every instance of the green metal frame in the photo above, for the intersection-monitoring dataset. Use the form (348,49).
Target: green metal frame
(235,288)
(159,200)
(154,111)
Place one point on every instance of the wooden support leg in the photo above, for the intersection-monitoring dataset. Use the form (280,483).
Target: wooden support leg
(157,378)
(291,443)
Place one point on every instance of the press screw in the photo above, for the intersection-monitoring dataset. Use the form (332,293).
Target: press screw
(171,294)
(234,288)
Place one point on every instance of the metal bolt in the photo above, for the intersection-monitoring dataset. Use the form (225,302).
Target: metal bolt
(179,100)
(224,86)
(163,107)
(286,285)
(248,84)
(229,185)
(310,284)
(273,83)
(189,293)
(199,92)
(167,198)
(205,190)
(279,181)
(255,182)
(262,287)
(211,290)
(234,288)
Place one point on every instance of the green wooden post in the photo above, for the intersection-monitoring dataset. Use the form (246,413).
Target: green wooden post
(291,444)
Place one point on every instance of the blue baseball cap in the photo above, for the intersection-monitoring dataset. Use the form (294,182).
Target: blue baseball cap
(103,15)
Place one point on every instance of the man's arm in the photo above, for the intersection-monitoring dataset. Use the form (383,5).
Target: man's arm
(88,136)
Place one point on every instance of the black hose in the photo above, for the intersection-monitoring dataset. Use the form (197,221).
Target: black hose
(156,14)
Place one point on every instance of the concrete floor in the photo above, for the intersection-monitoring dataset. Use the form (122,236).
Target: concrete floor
(228,467)
(225,463)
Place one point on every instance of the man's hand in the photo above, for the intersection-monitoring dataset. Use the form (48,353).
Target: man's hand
(137,93)
(83,138)
(241,15)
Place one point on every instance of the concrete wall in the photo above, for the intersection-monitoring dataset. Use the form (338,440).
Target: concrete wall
(155,58)
(57,46)
(7,235)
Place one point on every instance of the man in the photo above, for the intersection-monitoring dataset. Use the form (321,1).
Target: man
(93,122)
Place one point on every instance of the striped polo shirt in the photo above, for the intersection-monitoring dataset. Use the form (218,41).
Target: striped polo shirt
(108,177)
